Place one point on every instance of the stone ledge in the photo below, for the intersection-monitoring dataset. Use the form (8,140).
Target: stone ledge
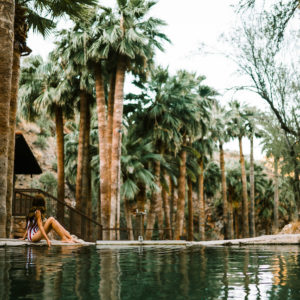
(14,242)
(143,243)
(279,239)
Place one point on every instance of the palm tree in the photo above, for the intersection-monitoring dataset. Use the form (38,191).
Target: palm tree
(71,53)
(264,194)
(234,194)
(136,155)
(116,42)
(220,120)
(162,128)
(43,88)
(6,50)
(163,124)
(28,15)
(132,43)
(253,131)
(192,110)
(272,141)
(204,146)
(238,128)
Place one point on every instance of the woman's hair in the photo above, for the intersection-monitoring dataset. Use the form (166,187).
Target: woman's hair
(38,203)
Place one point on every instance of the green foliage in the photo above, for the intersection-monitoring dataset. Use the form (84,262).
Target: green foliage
(54,166)
(47,128)
(212,179)
(46,182)
(40,14)
(41,142)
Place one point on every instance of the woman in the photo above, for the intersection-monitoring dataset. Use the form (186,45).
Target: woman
(37,230)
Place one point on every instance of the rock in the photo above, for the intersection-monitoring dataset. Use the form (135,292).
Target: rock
(292,228)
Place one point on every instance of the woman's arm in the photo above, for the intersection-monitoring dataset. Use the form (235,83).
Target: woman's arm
(39,221)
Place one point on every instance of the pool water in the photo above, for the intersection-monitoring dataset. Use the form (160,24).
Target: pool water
(73,272)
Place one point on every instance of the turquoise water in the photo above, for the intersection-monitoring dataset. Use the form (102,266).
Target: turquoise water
(150,273)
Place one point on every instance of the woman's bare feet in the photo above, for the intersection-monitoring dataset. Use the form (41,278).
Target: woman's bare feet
(66,240)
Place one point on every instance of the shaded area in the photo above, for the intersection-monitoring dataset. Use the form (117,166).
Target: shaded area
(25,161)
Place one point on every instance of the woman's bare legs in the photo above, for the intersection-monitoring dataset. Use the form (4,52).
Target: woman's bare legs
(51,223)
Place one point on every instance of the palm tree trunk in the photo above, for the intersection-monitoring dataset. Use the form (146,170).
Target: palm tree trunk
(109,135)
(236,224)
(154,202)
(89,210)
(230,217)
(224,191)
(296,186)
(191,211)
(174,201)
(276,195)
(7,10)
(80,159)
(60,163)
(245,195)
(116,137)
(201,202)
(252,191)
(104,203)
(166,204)
(116,233)
(128,220)
(181,196)
(160,213)
(86,148)
(86,170)
(11,138)
(141,202)
(109,129)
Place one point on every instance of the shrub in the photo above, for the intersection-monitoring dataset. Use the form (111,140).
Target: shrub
(40,142)
(48,182)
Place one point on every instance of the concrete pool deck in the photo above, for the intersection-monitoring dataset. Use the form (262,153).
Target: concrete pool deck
(279,239)
(16,242)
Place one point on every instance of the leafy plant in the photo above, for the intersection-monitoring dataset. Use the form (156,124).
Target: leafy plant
(41,142)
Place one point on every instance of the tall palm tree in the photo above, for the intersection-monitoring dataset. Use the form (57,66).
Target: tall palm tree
(71,53)
(132,44)
(253,131)
(136,155)
(44,88)
(192,110)
(162,128)
(234,194)
(219,128)
(272,137)
(29,15)
(6,51)
(117,42)
(238,128)
(204,146)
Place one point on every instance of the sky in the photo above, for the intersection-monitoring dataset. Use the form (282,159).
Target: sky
(194,28)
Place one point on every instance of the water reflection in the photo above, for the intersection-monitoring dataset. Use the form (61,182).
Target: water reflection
(109,287)
(149,273)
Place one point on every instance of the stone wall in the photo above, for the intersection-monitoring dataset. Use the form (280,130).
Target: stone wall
(19,226)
